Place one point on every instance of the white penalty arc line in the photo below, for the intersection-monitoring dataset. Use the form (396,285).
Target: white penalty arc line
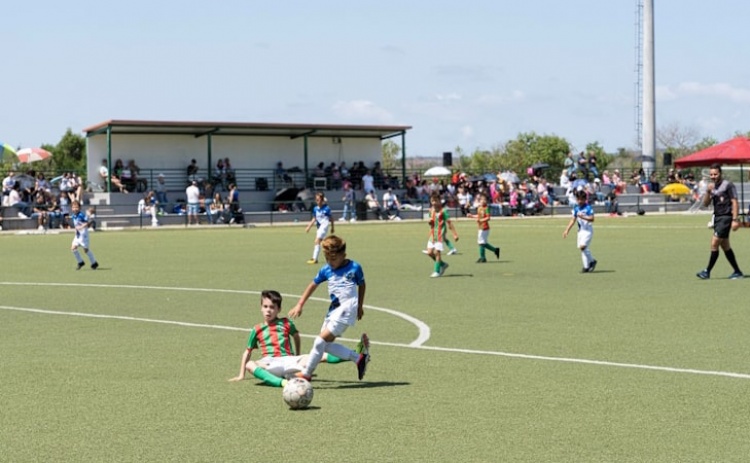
(422,328)
(726,374)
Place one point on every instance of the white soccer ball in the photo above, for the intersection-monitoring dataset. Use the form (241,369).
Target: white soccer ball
(298,393)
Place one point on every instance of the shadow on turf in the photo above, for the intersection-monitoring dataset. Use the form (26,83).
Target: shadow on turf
(355,384)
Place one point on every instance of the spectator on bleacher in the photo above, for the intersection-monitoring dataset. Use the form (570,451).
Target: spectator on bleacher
(54,215)
(335,181)
(233,202)
(653,182)
(77,183)
(65,183)
(193,193)
(192,172)
(391,204)
(464,200)
(592,164)
(14,200)
(598,193)
(368,181)
(231,175)
(161,192)
(64,202)
(374,206)
(104,173)
(344,171)
(39,210)
(42,184)
(348,200)
(8,183)
(119,167)
(147,207)
(618,182)
(135,172)
(611,203)
(220,174)
(606,180)
(377,175)
(564,180)
(582,165)
(216,209)
(282,175)
(411,197)
(569,164)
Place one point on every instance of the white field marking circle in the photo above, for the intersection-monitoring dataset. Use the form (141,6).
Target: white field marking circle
(422,328)
(413,345)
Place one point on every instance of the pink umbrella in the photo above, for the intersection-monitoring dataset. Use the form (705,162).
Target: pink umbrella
(28,155)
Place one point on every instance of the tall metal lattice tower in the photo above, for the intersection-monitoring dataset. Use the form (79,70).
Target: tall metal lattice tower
(639,74)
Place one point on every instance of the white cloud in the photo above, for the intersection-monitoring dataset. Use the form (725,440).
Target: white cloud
(448,97)
(362,110)
(494,99)
(718,90)
(467,131)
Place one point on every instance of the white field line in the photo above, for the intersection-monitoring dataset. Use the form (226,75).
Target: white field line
(422,328)
(413,345)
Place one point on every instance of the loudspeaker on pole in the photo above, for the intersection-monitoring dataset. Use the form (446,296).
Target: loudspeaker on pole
(667,159)
(447,159)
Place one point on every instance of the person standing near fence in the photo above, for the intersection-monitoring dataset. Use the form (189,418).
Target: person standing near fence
(723,194)
(193,202)
(348,199)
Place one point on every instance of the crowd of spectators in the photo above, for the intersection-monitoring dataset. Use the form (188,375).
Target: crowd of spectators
(32,196)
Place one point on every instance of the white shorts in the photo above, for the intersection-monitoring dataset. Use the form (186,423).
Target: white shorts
(584,238)
(322,231)
(81,241)
(436,246)
(342,317)
(482,236)
(283,367)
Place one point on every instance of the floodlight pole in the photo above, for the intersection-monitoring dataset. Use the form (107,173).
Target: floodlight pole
(648,145)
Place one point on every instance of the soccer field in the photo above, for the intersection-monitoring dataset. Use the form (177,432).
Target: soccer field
(519,359)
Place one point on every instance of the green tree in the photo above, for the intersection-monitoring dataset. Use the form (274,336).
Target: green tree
(530,148)
(391,159)
(70,153)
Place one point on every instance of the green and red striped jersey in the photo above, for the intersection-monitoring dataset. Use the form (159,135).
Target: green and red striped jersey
(273,339)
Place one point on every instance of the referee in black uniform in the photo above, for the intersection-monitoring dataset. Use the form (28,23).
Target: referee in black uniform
(723,194)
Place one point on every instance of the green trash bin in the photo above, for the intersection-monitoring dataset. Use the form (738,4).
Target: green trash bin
(361,210)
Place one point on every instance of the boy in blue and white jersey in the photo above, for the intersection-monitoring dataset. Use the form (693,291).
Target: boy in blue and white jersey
(346,287)
(81,225)
(322,220)
(583,215)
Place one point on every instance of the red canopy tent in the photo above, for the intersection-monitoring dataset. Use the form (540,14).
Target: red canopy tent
(734,151)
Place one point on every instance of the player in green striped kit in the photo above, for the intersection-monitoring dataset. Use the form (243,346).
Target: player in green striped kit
(278,341)
(439,225)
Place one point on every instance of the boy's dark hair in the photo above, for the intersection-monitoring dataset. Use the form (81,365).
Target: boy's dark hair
(581,195)
(716,166)
(271,295)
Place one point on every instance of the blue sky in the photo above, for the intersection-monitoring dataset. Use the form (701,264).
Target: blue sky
(471,74)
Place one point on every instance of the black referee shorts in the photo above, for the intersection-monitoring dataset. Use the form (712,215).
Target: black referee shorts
(722,226)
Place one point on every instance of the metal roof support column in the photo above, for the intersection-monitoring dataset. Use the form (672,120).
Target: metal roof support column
(307,173)
(403,159)
(109,159)
(208,150)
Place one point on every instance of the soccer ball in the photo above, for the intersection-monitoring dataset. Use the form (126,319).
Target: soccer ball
(298,393)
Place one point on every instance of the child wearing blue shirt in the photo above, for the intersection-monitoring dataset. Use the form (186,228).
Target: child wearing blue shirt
(583,215)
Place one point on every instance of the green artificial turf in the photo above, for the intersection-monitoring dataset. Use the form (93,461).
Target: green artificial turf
(521,359)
